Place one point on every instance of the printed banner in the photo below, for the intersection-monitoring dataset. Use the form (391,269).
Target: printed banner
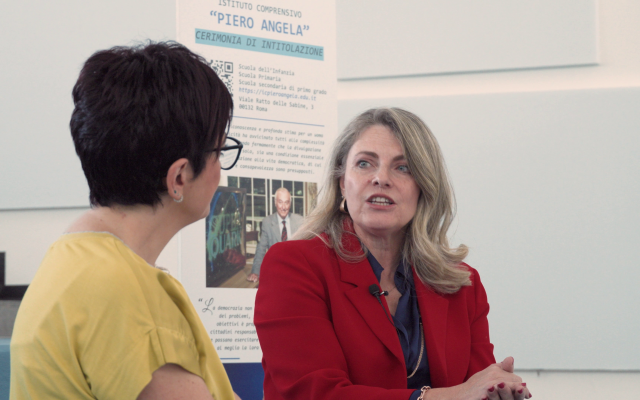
(278,59)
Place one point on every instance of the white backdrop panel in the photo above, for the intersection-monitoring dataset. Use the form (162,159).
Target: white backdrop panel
(44,46)
(548,187)
(384,38)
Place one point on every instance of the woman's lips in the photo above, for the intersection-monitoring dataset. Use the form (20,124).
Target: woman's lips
(380,200)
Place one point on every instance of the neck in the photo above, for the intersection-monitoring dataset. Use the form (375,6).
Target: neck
(386,248)
(145,229)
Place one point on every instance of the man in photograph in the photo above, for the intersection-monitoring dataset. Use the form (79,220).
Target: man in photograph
(277,227)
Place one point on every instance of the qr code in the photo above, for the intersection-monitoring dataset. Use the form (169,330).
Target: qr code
(224,69)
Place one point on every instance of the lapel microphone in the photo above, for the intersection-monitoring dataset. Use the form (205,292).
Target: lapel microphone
(375,291)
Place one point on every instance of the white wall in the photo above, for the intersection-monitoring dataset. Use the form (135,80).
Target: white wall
(379,38)
(619,66)
(25,234)
(572,385)
(44,46)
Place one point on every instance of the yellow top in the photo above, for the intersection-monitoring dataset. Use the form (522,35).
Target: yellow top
(97,321)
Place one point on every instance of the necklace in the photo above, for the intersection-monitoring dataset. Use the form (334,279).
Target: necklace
(421,351)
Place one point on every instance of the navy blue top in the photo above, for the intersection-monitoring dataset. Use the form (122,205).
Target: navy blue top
(407,322)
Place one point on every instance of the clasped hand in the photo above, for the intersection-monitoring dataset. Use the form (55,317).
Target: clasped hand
(496,382)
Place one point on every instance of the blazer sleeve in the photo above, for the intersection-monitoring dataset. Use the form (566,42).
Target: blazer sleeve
(481,347)
(302,356)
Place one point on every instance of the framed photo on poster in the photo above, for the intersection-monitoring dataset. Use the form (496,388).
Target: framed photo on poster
(225,236)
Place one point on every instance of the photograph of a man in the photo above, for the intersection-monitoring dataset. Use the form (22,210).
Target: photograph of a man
(277,227)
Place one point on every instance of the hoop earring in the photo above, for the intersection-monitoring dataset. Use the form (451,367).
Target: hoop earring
(180,199)
(343,206)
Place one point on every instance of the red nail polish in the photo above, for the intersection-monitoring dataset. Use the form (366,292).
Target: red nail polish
(491,389)
(520,391)
(524,383)
(501,385)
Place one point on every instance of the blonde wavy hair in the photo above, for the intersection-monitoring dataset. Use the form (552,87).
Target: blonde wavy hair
(426,246)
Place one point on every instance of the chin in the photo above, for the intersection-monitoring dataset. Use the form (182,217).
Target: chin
(390,228)
(205,213)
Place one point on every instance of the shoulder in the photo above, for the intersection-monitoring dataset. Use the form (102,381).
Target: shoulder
(296,253)
(270,226)
(80,268)
(473,271)
(296,217)
(301,246)
(85,284)
(271,219)
(295,271)
(474,276)
(475,294)
(87,259)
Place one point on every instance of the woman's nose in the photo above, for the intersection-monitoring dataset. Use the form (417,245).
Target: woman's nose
(381,178)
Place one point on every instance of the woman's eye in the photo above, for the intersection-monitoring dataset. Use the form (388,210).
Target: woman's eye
(363,164)
(404,168)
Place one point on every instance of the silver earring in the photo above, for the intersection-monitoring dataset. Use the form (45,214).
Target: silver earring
(180,199)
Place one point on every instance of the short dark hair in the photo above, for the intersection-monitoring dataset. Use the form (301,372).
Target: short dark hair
(138,110)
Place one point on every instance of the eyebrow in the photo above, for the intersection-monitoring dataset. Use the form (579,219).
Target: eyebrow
(375,155)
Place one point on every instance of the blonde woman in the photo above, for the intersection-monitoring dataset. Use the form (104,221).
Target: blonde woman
(373,302)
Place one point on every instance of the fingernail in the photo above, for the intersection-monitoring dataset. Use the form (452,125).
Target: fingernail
(520,391)
(524,383)
(491,389)
(501,385)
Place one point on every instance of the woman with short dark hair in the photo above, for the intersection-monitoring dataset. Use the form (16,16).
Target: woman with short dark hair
(99,320)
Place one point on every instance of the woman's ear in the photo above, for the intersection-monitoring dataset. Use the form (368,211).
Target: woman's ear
(176,178)
(342,185)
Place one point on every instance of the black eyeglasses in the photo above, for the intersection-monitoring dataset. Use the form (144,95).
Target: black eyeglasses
(230,153)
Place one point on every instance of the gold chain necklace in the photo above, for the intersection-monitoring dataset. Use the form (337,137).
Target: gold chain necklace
(421,352)
(421,341)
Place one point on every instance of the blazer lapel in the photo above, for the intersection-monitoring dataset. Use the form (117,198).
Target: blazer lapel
(433,309)
(361,275)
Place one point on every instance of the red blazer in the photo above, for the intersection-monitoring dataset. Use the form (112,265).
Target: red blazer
(324,336)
